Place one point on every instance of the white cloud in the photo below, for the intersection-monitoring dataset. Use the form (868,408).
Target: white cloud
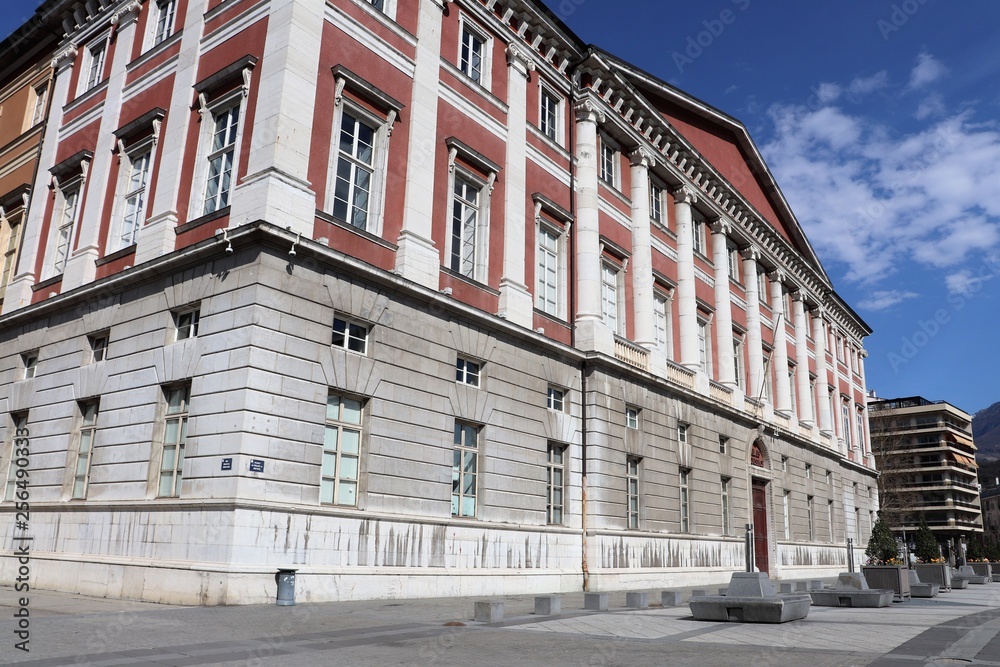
(884,299)
(867,85)
(927,70)
(965,282)
(932,105)
(876,200)
(827,92)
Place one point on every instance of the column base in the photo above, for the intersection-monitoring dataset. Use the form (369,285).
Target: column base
(275,197)
(156,238)
(418,260)
(18,294)
(516,304)
(592,335)
(81,268)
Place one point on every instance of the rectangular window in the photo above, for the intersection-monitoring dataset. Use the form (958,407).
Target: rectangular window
(698,235)
(726,527)
(95,67)
(829,519)
(186,323)
(549,114)
(809,519)
(465,222)
(133,202)
(38,111)
(661,323)
(809,471)
(857,525)
(30,361)
(829,477)
(88,429)
(355,170)
(467,372)
(222,158)
(341,451)
(548,270)
(472,59)
(631,417)
(19,423)
(165,11)
(609,162)
(10,254)
(738,365)
(377,4)
(859,429)
(845,414)
(67,207)
(685,505)
(632,487)
(610,303)
(174,439)
(704,347)
(762,289)
(784,464)
(723,444)
(734,261)
(656,210)
(350,336)
(99,346)
(556,474)
(555,400)
(464,470)
(682,433)
(786,515)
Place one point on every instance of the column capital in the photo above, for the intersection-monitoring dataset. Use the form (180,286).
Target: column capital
(66,56)
(685,194)
(798,295)
(818,313)
(720,226)
(587,110)
(750,252)
(126,13)
(776,276)
(640,157)
(519,60)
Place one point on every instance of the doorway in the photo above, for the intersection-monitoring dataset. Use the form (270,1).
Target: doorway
(760,548)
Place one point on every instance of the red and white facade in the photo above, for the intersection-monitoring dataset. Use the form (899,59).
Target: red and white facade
(649,331)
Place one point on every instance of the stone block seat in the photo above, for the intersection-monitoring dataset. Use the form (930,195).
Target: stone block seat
(970,574)
(750,598)
(852,591)
(918,589)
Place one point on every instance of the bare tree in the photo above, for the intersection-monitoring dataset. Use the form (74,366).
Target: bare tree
(898,468)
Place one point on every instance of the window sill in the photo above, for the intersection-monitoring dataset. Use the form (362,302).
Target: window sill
(471,281)
(118,254)
(86,96)
(48,282)
(198,222)
(154,51)
(368,236)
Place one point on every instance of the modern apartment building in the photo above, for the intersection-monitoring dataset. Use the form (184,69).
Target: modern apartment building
(927,457)
(418,298)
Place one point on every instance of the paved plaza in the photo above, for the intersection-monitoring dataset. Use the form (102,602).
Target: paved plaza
(957,628)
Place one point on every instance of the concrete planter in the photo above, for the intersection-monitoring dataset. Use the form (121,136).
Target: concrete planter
(982,569)
(935,573)
(896,577)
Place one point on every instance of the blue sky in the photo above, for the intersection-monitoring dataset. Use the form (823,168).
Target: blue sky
(879,121)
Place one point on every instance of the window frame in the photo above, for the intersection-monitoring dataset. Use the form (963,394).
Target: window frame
(381,133)
(467,28)
(348,334)
(810,518)
(86,432)
(557,134)
(723,444)
(698,227)
(609,268)
(465,375)
(727,527)
(15,225)
(555,399)
(182,418)
(459,472)
(657,207)
(222,199)
(739,365)
(160,33)
(663,321)
(684,494)
(609,162)
(829,519)
(95,63)
(632,416)
(191,329)
(65,217)
(555,476)
(38,109)
(335,474)
(18,423)
(683,433)
(633,491)
(786,513)
(29,364)
(705,344)
(99,352)
(144,148)
(478,267)
(545,228)
(735,262)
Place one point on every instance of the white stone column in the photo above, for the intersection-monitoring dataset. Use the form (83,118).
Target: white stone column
(80,265)
(779,354)
(805,402)
(417,258)
(276,187)
(687,304)
(591,333)
(822,373)
(18,293)
(755,345)
(157,236)
(723,306)
(515,297)
(642,251)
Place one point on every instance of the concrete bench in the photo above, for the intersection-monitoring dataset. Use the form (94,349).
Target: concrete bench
(778,609)
(548,605)
(489,611)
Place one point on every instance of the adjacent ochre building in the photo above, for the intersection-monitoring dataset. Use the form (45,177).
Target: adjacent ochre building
(417,298)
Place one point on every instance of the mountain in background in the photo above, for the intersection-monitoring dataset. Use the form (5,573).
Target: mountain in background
(986,431)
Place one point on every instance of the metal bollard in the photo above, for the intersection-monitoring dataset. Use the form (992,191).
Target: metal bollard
(286,587)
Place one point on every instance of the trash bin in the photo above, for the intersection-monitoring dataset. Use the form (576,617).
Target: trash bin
(286,587)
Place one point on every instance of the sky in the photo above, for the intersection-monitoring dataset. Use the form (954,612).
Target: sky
(879,121)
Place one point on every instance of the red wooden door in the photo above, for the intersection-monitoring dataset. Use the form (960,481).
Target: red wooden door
(760,526)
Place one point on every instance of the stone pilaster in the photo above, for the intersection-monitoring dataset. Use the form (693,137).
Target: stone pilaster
(515,296)
(723,307)
(779,354)
(687,305)
(823,374)
(642,251)
(755,345)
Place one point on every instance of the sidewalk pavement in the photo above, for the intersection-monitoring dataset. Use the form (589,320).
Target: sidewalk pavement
(957,628)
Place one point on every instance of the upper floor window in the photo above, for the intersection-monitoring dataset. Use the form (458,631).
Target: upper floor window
(733,254)
(738,365)
(18,440)
(67,210)
(657,212)
(99,346)
(662,323)
(762,293)
(377,4)
(556,399)
(682,433)
(612,305)
(550,115)
(221,156)
(88,429)
(473,55)
(350,336)
(95,55)
(38,110)
(698,235)
(465,226)
(164,26)
(30,362)
(186,322)
(631,417)
(133,186)
(609,166)
(548,270)
(704,346)
(467,372)
(355,170)
(10,252)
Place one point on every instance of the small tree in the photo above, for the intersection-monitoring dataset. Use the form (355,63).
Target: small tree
(926,544)
(882,549)
(975,549)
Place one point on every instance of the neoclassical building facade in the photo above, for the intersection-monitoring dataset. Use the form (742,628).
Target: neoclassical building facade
(417,298)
